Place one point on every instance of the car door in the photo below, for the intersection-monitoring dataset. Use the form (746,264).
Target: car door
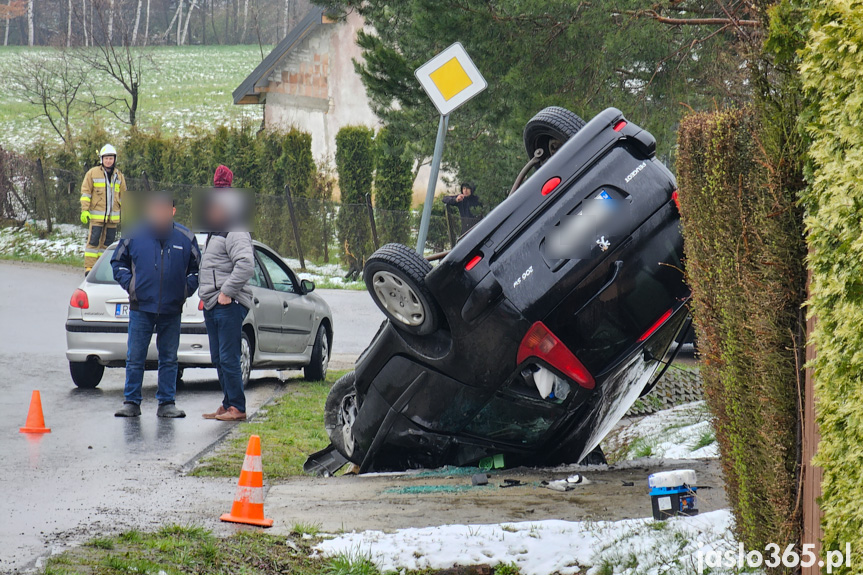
(267,310)
(297,312)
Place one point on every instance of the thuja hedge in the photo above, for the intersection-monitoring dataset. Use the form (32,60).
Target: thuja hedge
(355,164)
(832,72)
(393,187)
(745,259)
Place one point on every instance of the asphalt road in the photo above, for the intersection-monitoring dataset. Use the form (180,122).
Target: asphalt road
(94,472)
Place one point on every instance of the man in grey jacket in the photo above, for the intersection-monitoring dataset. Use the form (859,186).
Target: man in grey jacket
(227,265)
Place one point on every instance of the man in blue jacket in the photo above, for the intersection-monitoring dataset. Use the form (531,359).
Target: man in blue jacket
(157,264)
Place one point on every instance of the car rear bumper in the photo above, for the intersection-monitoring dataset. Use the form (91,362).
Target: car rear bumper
(106,341)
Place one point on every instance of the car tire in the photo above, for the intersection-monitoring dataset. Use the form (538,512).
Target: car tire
(86,374)
(320,360)
(340,412)
(550,129)
(247,353)
(395,277)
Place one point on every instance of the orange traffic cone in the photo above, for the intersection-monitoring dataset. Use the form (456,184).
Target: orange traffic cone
(35,419)
(249,501)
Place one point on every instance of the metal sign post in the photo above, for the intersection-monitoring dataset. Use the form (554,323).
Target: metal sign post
(435,169)
(450,79)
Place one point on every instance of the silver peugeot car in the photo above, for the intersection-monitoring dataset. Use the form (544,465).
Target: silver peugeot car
(288,327)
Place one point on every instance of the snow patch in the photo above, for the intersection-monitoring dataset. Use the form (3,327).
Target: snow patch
(682,432)
(542,547)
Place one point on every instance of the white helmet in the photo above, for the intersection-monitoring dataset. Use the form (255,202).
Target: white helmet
(107,150)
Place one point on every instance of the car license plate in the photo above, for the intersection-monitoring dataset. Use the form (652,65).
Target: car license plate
(122,310)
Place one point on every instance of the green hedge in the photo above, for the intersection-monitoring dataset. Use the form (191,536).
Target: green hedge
(355,163)
(393,187)
(832,73)
(745,263)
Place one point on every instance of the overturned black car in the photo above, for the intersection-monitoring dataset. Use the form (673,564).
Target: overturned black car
(539,330)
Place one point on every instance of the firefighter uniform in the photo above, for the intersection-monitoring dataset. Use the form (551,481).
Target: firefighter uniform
(101,198)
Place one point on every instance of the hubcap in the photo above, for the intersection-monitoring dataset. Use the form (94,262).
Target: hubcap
(325,353)
(349,416)
(398,298)
(245,359)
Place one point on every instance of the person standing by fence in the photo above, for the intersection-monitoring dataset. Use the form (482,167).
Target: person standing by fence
(465,202)
(101,198)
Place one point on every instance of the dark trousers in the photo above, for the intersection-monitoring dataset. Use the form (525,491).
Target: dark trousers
(224,330)
(142,325)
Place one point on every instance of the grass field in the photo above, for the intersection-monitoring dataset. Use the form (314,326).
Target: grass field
(291,428)
(188,87)
(178,549)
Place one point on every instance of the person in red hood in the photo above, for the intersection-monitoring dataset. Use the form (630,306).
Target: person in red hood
(223,178)
(229,259)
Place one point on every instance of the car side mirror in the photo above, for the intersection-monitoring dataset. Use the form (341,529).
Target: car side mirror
(308,286)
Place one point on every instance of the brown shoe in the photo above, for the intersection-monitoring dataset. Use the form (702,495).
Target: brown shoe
(217,413)
(232,414)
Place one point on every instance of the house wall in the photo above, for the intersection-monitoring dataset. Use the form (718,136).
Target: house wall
(316,89)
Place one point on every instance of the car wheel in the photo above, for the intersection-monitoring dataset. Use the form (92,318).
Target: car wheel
(86,374)
(549,130)
(395,277)
(320,360)
(340,414)
(246,352)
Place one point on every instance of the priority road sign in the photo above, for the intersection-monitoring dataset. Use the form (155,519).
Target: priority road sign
(450,79)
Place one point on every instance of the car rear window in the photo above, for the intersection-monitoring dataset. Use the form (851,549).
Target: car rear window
(102,273)
(650,284)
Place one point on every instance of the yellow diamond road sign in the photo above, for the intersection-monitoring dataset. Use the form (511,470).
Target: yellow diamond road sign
(450,79)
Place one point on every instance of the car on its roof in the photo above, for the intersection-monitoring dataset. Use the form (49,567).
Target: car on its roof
(288,327)
(542,326)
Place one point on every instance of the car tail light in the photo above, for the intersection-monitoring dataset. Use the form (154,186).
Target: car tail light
(676,197)
(550,185)
(620,125)
(80,300)
(655,326)
(200,305)
(473,262)
(539,342)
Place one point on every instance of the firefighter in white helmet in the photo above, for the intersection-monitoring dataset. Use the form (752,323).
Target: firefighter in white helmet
(101,197)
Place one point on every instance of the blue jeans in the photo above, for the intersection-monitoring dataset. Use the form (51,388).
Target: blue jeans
(142,324)
(225,332)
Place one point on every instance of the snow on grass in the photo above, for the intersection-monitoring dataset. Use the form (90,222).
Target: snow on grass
(330,276)
(65,244)
(642,546)
(682,432)
(188,88)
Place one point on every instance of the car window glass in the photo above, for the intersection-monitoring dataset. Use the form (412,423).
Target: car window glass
(102,272)
(515,419)
(258,277)
(278,275)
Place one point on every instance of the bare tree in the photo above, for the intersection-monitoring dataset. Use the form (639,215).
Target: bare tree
(53,83)
(84,22)
(147,25)
(30,15)
(137,23)
(14,9)
(120,62)
(188,19)
(111,21)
